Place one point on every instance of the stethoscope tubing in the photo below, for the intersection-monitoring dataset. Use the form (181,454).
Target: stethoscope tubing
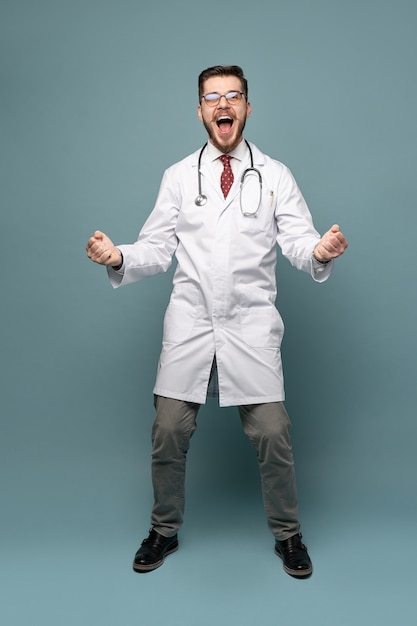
(201,198)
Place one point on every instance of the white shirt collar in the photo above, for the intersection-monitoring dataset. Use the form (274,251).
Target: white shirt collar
(238,153)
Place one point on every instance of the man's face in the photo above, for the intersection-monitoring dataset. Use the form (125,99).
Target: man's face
(224,122)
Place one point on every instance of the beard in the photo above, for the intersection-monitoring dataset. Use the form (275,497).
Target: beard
(226,145)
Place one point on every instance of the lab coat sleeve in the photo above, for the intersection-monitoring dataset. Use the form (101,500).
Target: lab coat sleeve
(157,241)
(297,236)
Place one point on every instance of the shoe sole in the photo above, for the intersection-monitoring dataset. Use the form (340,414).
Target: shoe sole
(143,569)
(296,573)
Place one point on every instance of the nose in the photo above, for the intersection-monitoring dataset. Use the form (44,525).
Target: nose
(226,102)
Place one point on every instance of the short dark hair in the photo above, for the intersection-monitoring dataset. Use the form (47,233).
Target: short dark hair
(222,70)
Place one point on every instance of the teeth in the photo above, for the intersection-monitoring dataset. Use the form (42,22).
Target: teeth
(224,118)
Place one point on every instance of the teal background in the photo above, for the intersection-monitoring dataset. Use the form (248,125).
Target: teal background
(97,99)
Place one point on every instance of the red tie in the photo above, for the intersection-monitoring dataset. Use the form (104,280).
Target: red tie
(226,180)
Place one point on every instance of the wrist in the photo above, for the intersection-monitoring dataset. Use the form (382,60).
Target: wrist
(119,265)
(321,261)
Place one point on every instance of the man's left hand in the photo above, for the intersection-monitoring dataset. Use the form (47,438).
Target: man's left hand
(331,245)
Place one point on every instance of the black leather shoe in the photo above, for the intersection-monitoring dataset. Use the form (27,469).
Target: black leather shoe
(295,557)
(153,551)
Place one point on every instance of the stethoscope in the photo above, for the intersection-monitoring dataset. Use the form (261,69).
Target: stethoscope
(201,199)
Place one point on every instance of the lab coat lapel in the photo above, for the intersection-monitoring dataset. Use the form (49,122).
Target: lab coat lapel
(210,183)
(209,178)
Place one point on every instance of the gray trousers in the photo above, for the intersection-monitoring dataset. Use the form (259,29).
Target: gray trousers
(268,429)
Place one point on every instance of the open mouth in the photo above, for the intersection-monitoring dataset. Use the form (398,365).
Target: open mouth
(224,124)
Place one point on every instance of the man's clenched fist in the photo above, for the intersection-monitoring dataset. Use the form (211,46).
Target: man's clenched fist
(331,245)
(102,250)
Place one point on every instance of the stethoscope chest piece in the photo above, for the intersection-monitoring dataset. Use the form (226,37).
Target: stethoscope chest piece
(201,200)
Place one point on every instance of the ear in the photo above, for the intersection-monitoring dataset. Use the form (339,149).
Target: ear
(200,115)
(248,109)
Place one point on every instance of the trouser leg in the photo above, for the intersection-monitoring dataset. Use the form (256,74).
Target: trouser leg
(174,424)
(268,428)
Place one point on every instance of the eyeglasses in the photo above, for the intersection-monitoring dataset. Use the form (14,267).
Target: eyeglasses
(232,97)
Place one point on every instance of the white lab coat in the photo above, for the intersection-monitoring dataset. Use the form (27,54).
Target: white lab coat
(224,287)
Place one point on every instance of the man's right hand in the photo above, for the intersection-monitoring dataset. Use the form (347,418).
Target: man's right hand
(102,250)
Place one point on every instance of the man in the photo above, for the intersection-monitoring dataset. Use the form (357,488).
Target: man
(222,331)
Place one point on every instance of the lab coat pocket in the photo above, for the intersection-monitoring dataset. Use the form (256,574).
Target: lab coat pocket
(257,212)
(181,314)
(261,327)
